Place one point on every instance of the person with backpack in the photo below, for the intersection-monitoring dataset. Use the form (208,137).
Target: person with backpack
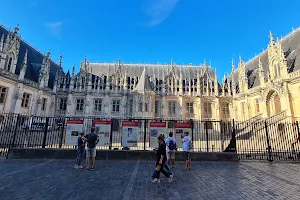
(187,146)
(92,140)
(171,149)
(80,150)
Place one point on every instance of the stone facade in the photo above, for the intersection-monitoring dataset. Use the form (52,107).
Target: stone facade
(268,85)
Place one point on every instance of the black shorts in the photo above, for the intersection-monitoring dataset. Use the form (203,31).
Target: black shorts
(187,155)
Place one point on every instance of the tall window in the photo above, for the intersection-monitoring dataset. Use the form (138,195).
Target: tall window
(3,91)
(257,110)
(172,107)
(225,111)
(97,105)
(9,64)
(25,100)
(116,105)
(130,105)
(140,107)
(44,103)
(207,110)
(79,104)
(146,107)
(156,107)
(190,108)
(63,104)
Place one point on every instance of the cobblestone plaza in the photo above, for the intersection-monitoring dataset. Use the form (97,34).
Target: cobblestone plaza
(57,179)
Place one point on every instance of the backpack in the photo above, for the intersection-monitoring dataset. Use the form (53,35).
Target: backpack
(91,140)
(171,145)
(191,145)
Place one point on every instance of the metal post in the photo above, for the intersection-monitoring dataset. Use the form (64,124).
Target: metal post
(206,132)
(145,129)
(298,130)
(192,125)
(12,144)
(234,135)
(62,133)
(111,133)
(45,132)
(268,142)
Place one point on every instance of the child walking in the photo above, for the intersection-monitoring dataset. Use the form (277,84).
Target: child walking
(80,150)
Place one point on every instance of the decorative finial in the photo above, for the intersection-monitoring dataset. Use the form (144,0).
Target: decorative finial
(60,60)
(48,53)
(85,59)
(204,62)
(232,65)
(271,38)
(16,29)
(73,70)
(119,60)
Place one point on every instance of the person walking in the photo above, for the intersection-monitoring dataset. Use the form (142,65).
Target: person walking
(160,160)
(171,149)
(92,140)
(80,150)
(187,146)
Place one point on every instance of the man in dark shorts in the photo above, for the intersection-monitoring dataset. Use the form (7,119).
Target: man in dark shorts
(187,147)
(92,140)
(80,150)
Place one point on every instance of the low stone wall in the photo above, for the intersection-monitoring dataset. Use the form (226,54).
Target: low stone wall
(38,153)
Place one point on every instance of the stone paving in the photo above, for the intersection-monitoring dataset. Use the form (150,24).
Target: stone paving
(57,179)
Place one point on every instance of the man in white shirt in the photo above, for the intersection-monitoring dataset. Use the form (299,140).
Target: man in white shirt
(187,146)
(171,149)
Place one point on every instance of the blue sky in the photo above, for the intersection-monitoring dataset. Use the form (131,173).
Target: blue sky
(188,31)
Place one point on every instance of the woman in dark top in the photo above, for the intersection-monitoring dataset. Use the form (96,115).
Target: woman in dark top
(161,158)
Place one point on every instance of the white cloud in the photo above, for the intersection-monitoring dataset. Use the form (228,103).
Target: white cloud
(55,28)
(159,10)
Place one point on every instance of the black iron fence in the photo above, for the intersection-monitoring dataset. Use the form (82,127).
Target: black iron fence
(257,139)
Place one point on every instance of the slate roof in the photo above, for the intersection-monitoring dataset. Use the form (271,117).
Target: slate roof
(152,70)
(35,60)
(291,47)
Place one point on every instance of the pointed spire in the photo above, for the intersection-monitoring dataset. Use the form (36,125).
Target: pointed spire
(240,59)
(48,53)
(73,71)
(25,57)
(259,64)
(60,60)
(204,63)
(144,84)
(16,30)
(119,60)
(272,42)
(232,65)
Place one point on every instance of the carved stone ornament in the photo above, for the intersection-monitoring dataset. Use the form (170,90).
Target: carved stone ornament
(88,103)
(39,101)
(52,104)
(69,102)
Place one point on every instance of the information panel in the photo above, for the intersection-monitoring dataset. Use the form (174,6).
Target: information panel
(180,129)
(157,128)
(73,130)
(130,133)
(103,129)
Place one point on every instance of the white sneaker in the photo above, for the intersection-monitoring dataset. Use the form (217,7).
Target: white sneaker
(170,178)
(156,180)
(76,167)
(80,167)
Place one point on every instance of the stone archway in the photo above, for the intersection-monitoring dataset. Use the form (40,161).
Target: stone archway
(273,103)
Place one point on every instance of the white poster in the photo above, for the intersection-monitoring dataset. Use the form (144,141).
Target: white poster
(180,129)
(103,129)
(73,130)
(130,133)
(157,128)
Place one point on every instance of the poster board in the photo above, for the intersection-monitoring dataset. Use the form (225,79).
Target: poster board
(180,129)
(73,130)
(130,133)
(157,128)
(103,130)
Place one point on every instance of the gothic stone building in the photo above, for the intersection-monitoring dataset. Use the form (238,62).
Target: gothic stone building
(268,85)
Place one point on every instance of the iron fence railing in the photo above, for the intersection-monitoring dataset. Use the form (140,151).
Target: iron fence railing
(276,139)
